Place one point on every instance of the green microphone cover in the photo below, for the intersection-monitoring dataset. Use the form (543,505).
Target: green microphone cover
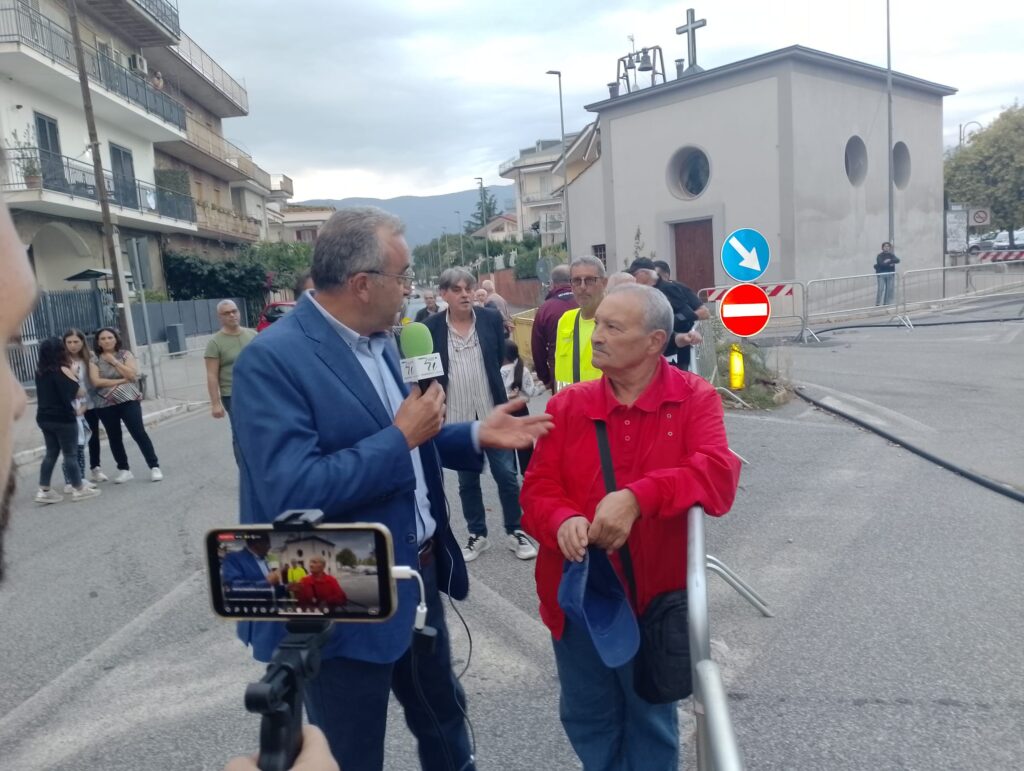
(415,340)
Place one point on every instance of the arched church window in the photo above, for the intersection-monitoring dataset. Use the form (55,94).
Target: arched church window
(689,172)
(856,160)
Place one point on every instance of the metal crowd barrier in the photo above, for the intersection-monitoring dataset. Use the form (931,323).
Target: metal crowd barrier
(788,300)
(833,298)
(717,749)
(938,286)
(182,375)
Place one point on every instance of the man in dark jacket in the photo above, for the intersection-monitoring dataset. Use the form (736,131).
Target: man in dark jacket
(686,308)
(885,268)
(545,324)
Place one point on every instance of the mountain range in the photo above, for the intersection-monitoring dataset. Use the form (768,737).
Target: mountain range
(427,217)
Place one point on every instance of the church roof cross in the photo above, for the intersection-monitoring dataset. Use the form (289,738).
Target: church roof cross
(690,30)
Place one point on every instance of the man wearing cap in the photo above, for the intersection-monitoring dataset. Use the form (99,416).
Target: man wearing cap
(545,324)
(572,343)
(669,450)
(686,307)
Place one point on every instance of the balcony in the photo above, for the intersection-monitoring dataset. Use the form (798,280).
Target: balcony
(39,53)
(144,22)
(530,158)
(225,225)
(534,199)
(196,73)
(282,186)
(37,180)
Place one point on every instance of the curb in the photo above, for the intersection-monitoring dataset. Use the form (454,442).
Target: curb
(28,456)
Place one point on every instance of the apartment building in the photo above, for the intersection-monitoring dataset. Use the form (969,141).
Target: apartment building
(173,180)
(538,188)
(300,223)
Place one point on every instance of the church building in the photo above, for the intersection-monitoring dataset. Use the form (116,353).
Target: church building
(792,143)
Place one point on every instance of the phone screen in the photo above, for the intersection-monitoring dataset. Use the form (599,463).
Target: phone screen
(337,572)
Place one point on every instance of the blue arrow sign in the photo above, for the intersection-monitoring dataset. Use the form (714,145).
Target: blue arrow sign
(745,254)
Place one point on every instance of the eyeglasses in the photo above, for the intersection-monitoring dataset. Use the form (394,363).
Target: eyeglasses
(405,278)
(581,280)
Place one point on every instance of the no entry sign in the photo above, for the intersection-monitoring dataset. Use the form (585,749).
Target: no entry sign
(745,310)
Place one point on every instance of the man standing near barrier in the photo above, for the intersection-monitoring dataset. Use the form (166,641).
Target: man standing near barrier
(221,354)
(572,344)
(545,324)
(687,309)
(669,450)
(885,268)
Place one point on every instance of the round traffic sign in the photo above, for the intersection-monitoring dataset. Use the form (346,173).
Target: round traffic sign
(745,310)
(745,254)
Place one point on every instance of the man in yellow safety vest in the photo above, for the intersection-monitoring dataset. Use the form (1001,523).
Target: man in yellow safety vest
(572,342)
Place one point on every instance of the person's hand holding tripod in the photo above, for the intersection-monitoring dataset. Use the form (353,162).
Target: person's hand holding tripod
(315,755)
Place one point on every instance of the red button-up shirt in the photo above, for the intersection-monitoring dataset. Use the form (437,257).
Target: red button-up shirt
(669,448)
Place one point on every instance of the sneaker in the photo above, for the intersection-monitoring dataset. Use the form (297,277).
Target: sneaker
(98,476)
(474,546)
(523,547)
(68,489)
(123,476)
(48,496)
(85,492)
(155,474)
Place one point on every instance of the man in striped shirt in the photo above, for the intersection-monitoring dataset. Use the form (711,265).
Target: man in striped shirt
(471,342)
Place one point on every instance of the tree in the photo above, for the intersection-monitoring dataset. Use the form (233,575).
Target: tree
(346,558)
(477,221)
(988,170)
(282,261)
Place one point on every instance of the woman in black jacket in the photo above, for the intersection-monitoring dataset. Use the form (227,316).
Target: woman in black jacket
(57,387)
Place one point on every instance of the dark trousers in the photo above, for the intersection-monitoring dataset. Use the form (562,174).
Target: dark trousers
(80,458)
(226,401)
(92,419)
(503,469)
(129,413)
(523,455)
(348,700)
(61,439)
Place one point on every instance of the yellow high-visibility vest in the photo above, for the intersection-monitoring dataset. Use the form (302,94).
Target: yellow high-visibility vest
(564,344)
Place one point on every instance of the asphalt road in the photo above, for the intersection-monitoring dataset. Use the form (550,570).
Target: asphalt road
(896,587)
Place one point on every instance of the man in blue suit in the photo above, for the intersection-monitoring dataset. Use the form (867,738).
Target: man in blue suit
(245,574)
(324,422)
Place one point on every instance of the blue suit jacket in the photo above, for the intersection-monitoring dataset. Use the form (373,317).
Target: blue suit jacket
(314,434)
(243,578)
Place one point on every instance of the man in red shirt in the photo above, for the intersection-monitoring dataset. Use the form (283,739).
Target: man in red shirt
(669,451)
(545,324)
(319,589)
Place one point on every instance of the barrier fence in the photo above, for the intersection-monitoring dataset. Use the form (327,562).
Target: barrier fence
(937,286)
(787,301)
(182,375)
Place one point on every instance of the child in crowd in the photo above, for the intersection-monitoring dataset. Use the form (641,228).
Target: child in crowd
(518,382)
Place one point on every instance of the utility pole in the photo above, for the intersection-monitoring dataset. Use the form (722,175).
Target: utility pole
(565,166)
(462,240)
(888,77)
(124,309)
(483,220)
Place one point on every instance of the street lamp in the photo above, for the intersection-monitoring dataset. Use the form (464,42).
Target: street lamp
(483,221)
(963,130)
(565,166)
(462,243)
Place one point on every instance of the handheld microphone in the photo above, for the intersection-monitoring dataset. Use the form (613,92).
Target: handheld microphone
(419,362)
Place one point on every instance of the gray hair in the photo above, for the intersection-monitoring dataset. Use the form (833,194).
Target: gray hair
(453,276)
(620,278)
(657,312)
(587,259)
(225,303)
(487,285)
(560,274)
(350,243)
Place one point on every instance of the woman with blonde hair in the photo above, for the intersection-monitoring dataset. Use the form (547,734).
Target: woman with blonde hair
(89,422)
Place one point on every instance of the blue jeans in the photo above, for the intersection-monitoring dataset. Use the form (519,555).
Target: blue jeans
(884,293)
(60,439)
(348,700)
(608,725)
(503,468)
(226,401)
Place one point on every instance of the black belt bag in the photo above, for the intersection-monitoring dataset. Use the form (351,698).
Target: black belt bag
(661,668)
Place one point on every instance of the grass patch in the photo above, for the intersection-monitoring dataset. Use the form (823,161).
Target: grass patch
(766,388)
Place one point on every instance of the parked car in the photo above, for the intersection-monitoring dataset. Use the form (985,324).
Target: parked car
(1002,241)
(272,313)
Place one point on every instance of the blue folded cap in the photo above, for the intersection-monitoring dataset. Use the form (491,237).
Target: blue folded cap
(592,596)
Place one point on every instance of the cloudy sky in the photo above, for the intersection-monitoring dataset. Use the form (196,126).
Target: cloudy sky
(417,97)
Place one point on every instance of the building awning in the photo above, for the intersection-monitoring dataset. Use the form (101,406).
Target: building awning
(91,274)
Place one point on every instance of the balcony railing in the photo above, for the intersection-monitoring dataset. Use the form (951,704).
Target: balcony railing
(538,197)
(34,169)
(21,24)
(204,64)
(164,12)
(221,221)
(282,183)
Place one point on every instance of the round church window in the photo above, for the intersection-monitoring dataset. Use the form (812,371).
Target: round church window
(900,165)
(856,160)
(689,172)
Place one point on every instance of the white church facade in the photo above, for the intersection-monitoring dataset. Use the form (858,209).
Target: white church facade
(792,143)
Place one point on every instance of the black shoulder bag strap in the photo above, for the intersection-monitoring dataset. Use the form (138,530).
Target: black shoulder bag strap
(608,471)
(576,355)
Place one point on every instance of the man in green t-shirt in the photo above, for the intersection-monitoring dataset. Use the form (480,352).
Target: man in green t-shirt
(221,353)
